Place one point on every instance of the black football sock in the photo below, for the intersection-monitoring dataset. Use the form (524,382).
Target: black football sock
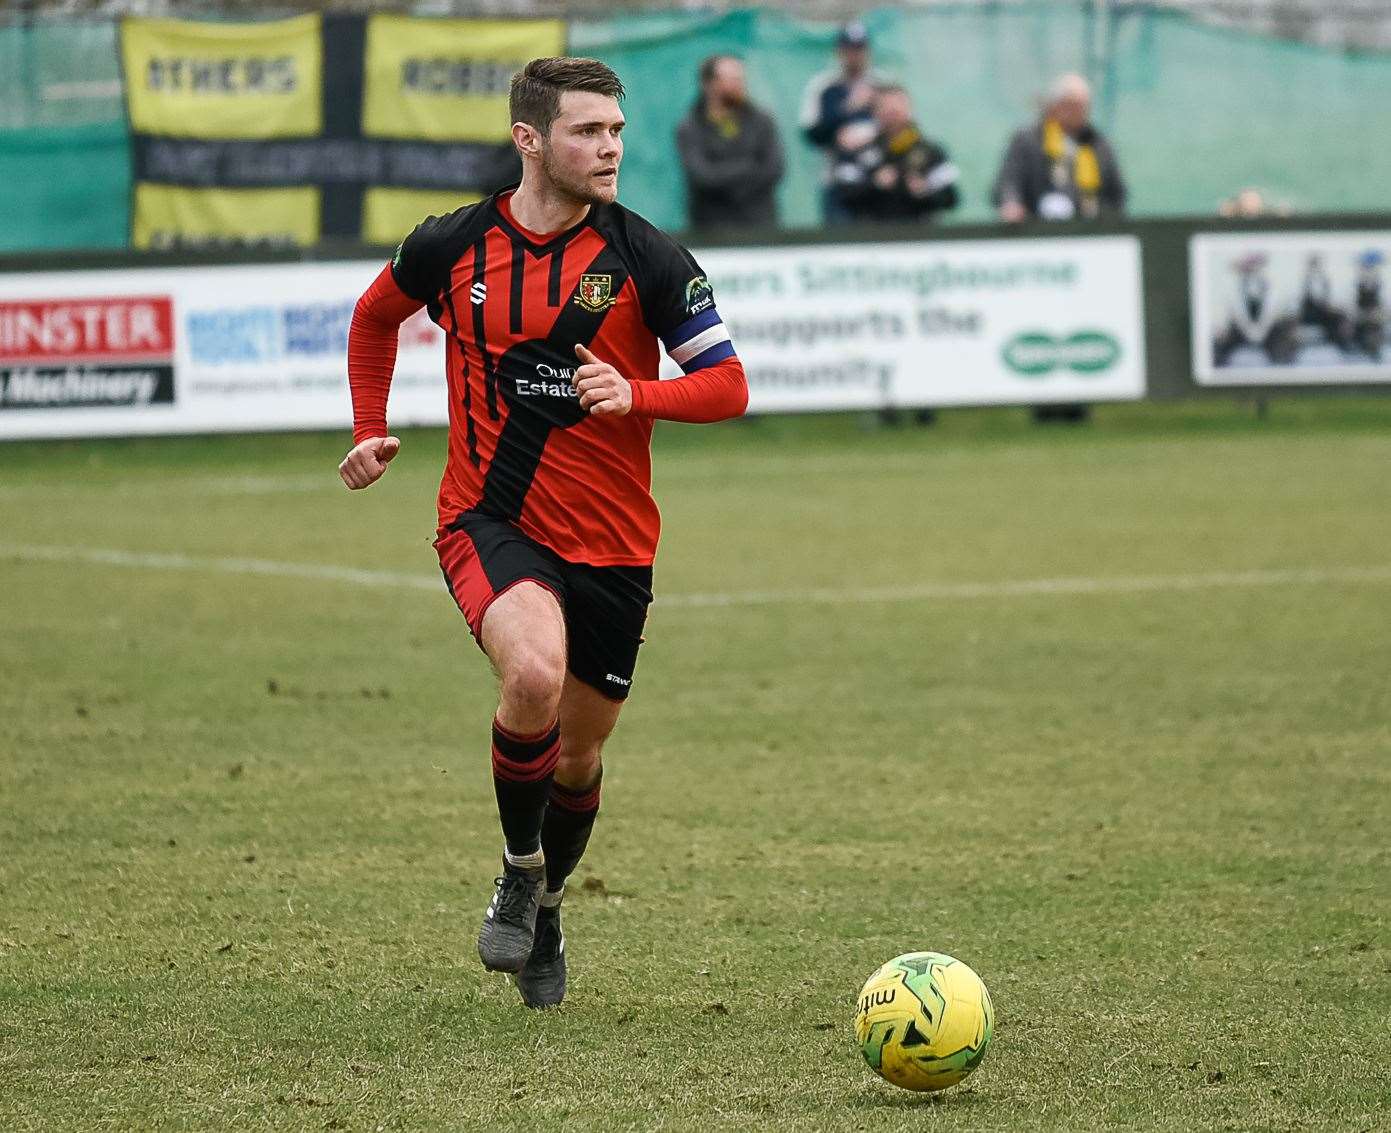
(570,817)
(522,770)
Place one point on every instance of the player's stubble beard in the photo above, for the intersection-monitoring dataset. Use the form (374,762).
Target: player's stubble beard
(579,189)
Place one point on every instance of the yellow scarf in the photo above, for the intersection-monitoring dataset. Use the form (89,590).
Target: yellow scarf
(1086,170)
(726,124)
(903,141)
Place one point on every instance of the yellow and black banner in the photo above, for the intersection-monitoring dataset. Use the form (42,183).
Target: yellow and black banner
(288,131)
(447,80)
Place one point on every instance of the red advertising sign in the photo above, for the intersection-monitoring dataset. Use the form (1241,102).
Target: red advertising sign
(46,331)
(86,353)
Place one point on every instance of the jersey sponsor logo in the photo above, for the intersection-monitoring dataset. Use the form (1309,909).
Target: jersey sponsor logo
(527,388)
(699,295)
(551,381)
(478,293)
(595,293)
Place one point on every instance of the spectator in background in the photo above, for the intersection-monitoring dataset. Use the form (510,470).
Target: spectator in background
(1251,203)
(1060,167)
(1246,204)
(838,109)
(898,174)
(730,151)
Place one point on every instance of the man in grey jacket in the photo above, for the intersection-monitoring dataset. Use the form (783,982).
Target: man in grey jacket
(730,152)
(1060,167)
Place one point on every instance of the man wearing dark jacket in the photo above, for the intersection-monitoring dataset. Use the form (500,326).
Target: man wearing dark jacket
(730,152)
(1061,167)
(838,110)
(899,175)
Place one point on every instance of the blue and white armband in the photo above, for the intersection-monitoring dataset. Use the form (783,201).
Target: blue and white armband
(699,342)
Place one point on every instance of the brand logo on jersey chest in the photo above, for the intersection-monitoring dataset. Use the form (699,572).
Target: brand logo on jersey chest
(478,293)
(595,293)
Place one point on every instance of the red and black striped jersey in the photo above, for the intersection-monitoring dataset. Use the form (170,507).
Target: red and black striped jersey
(513,306)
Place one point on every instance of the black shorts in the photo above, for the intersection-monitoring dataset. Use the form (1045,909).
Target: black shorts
(605,606)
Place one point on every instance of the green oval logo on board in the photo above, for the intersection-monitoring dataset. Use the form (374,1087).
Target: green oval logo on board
(1035,354)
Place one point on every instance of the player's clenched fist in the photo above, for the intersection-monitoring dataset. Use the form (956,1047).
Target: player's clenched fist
(602,389)
(367,461)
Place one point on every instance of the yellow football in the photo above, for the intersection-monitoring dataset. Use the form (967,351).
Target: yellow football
(923,1021)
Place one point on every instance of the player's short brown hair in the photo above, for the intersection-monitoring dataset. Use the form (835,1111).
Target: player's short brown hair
(537,87)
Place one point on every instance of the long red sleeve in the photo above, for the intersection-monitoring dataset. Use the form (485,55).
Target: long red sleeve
(714,393)
(372,336)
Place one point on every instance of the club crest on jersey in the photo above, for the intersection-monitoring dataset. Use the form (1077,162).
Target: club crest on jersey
(595,293)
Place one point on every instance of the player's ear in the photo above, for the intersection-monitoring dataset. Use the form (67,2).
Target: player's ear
(527,139)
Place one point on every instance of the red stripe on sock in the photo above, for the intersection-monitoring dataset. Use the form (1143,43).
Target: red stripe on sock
(515,771)
(517,737)
(573,801)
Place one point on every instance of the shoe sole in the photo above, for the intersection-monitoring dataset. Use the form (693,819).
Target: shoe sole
(510,964)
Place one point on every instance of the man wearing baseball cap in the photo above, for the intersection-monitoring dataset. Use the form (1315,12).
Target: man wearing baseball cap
(838,109)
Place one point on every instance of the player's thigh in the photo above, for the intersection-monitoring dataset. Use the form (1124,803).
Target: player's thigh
(524,627)
(510,590)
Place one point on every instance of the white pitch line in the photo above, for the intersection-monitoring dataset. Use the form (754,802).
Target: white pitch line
(1030,587)
(924,592)
(194,485)
(142,560)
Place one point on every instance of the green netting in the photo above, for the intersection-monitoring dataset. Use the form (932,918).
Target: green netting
(1195,112)
(58,74)
(64,187)
(1201,112)
(64,155)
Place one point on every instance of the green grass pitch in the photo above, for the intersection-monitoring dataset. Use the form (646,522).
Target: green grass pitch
(1104,712)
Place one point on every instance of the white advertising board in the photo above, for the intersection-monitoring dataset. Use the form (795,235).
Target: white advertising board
(1290,308)
(998,322)
(262,347)
(194,350)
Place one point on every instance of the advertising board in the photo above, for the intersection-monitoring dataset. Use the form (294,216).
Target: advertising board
(1290,308)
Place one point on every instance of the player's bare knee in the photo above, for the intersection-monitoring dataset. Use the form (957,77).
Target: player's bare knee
(531,683)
